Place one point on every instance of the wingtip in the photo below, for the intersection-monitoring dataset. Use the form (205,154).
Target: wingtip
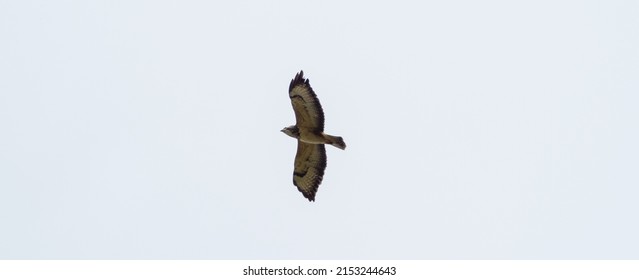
(310,197)
(298,80)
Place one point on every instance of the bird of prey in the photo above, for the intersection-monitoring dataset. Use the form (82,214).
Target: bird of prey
(310,160)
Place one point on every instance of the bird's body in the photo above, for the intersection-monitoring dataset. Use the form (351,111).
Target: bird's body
(310,136)
(310,159)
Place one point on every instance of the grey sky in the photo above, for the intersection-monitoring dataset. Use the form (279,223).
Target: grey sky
(475,129)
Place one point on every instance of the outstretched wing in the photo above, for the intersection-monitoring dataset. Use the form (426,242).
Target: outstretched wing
(308,110)
(310,163)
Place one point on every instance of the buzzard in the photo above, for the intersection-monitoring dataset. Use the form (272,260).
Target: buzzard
(310,160)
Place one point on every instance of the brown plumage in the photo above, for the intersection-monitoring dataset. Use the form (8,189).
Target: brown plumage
(310,160)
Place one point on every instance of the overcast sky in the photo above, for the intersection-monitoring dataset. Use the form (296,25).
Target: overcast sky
(475,129)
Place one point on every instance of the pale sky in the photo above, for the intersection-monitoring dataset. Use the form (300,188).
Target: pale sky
(475,129)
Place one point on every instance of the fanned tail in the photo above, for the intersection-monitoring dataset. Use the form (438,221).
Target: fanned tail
(336,141)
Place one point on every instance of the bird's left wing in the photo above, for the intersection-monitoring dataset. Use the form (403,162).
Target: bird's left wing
(308,110)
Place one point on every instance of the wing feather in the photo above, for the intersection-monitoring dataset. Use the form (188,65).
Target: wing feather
(310,163)
(308,110)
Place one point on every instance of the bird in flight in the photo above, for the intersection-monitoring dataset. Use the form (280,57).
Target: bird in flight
(310,160)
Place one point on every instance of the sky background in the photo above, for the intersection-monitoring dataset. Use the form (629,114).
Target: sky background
(475,129)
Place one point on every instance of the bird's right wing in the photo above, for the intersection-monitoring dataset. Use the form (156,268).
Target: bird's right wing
(310,163)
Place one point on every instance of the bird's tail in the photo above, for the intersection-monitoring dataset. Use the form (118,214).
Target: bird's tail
(336,141)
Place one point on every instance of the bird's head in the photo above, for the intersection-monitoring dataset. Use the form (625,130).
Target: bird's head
(292,131)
